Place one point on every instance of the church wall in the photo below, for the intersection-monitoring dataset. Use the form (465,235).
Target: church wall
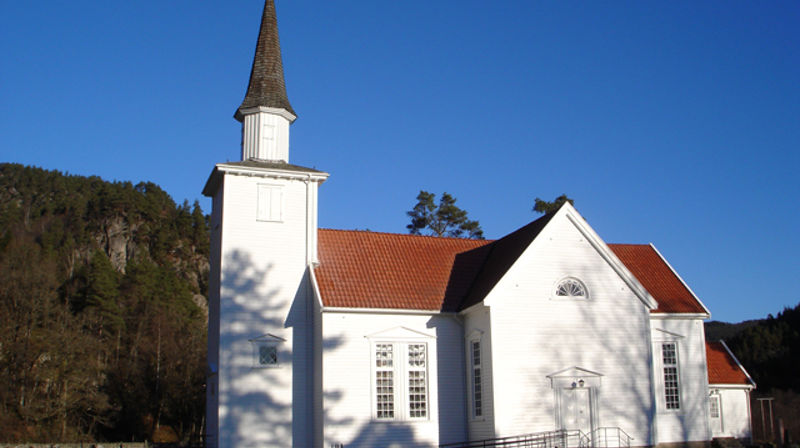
(690,422)
(264,293)
(536,333)
(349,405)
(735,407)
(477,325)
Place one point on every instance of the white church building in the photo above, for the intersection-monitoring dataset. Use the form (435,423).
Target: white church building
(340,338)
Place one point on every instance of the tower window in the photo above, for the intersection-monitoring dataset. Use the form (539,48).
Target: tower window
(270,203)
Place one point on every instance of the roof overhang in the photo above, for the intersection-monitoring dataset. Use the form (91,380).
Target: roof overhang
(337,309)
(279,111)
(674,272)
(731,386)
(594,239)
(668,316)
(220,169)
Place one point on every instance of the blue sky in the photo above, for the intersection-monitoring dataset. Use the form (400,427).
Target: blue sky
(676,123)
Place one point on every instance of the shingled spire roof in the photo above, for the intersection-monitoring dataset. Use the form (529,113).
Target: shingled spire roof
(267,87)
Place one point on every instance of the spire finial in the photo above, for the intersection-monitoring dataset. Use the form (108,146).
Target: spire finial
(267,87)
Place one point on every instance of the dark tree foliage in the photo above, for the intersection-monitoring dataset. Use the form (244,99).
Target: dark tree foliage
(770,350)
(442,219)
(103,328)
(545,207)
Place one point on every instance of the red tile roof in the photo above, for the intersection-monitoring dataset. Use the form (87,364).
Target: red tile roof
(722,367)
(360,269)
(383,270)
(657,277)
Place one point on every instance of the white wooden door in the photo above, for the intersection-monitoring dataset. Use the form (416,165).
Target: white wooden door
(576,409)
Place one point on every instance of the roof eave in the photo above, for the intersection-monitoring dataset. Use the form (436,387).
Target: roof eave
(359,310)
(280,111)
(660,315)
(674,272)
(616,264)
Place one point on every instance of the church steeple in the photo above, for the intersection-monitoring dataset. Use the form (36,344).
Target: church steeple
(265,112)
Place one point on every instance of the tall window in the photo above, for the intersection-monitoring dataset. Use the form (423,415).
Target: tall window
(384,381)
(714,404)
(396,365)
(477,390)
(417,382)
(669,353)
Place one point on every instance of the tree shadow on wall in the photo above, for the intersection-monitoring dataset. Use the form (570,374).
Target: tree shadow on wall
(252,396)
(261,403)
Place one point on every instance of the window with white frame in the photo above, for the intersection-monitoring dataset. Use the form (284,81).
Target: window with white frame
(384,381)
(400,380)
(270,203)
(672,395)
(714,404)
(571,288)
(477,386)
(265,350)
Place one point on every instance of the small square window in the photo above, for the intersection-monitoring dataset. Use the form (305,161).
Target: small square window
(270,203)
(267,355)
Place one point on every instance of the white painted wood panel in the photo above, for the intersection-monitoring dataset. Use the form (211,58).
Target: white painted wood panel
(477,322)
(348,389)
(690,422)
(535,334)
(264,289)
(734,412)
(265,136)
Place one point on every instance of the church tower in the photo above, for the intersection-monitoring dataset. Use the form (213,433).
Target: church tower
(263,241)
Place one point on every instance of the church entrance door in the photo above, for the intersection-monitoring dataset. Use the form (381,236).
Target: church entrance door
(576,409)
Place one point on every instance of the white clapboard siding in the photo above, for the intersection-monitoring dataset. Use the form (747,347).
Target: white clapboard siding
(734,411)
(477,324)
(535,334)
(347,379)
(690,423)
(264,290)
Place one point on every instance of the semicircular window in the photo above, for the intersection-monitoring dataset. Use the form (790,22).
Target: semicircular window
(571,287)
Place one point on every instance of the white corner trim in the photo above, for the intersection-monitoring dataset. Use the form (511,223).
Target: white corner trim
(708,313)
(612,260)
(315,286)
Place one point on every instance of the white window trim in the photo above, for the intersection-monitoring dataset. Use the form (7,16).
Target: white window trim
(266,215)
(476,337)
(401,378)
(678,371)
(270,341)
(555,296)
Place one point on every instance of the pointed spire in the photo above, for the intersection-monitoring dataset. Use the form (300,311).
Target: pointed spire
(267,87)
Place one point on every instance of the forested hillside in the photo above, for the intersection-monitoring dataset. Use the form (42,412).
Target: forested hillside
(102,310)
(770,351)
(768,348)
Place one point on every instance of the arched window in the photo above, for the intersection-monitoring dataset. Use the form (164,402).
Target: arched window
(571,288)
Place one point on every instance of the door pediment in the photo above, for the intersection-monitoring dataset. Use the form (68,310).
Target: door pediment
(574,377)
